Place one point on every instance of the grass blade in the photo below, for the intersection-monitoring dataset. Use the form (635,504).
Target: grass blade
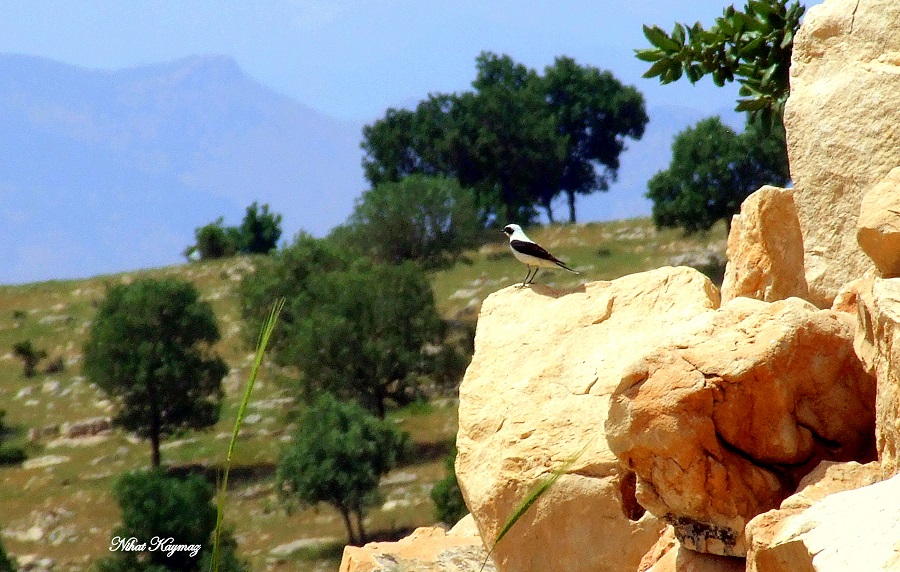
(261,344)
(541,487)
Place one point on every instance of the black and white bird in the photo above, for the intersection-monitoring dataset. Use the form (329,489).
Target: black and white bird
(530,253)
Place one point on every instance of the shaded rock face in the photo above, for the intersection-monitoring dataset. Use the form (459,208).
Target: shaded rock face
(537,392)
(765,249)
(851,530)
(878,347)
(841,121)
(878,227)
(668,555)
(827,478)
(721,423)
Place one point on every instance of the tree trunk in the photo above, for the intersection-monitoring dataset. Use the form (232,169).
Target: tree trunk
(359,528)
(549,210)
(155,424)
(351,534)
(571,195)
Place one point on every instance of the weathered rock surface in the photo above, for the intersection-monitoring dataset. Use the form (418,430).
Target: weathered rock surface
(765,249)
(722,422)
(828,478)
(878,347)
(668,555)
(878,227)
(537,392)
(425,550)
(851,530)
(841,121)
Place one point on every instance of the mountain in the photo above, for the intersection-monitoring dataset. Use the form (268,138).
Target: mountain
(104,171)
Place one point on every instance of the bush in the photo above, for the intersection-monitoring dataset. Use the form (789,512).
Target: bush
(12,456)
(29,355)
(6,563)
(156,505)
(449,505)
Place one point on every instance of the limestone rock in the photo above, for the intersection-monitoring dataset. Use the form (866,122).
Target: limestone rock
(842,122)
(723,421)
(851,530)
(878,227)
(537,392)
(878,347)
(828,478)
(425,550)
(668,555)
(765,249)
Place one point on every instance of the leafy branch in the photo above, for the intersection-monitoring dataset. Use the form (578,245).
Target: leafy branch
(754,46)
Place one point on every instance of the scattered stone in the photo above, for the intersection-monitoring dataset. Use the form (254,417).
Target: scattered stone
(45,461)
(283,550)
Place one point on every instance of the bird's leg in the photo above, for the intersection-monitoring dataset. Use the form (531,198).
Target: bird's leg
(524,282)
(536,268)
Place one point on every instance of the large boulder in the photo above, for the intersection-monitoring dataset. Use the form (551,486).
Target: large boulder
(879,325)
(765,249)
(878,227)
(427,549)
(843,109)
(828,478)
(851,530)
(537,392)
(721,422)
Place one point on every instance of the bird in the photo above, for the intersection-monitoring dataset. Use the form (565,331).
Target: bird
(530,253)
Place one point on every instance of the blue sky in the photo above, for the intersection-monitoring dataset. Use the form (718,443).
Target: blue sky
(353,59)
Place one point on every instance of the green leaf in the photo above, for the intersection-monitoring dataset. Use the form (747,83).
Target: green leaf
(678,34)
(659,68)
(649,55)
(658,37)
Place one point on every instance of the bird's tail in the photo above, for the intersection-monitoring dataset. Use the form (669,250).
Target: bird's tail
(564,267)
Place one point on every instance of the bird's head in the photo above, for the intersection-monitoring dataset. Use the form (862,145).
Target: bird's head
(511,229)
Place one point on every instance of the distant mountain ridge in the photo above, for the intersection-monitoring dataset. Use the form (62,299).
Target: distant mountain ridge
(105,171)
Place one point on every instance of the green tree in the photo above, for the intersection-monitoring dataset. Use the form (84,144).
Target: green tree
(149,349)
(337,456)
(712,171)
(449,505)
(754,45)
(6,563)
(595,113)
(260,230)
(367,333)
(355,328)
(517,139)
(215,240)
(29,355)
(429,220)
(154,505)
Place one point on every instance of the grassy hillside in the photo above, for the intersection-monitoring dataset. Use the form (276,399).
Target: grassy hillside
(64,510)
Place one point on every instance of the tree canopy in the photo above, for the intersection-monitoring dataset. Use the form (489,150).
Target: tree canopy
(337,455)
(258,234)
(713,170)
(149,349)
(428,220)
(753,45)
(359,329)
(518,139)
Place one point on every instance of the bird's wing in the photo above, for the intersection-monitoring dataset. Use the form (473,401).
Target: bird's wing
(532,249)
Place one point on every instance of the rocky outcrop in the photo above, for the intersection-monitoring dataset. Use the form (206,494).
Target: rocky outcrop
(537,391)
(722,421)
(828,478)
(765,249)
(851,530)
(878,227)
(668,555)
(841,121)
(878,346)
(425,550)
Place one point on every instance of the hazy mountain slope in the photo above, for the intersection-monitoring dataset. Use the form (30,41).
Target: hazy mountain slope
(103,171)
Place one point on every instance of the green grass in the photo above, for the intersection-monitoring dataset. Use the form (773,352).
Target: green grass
(72,501)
